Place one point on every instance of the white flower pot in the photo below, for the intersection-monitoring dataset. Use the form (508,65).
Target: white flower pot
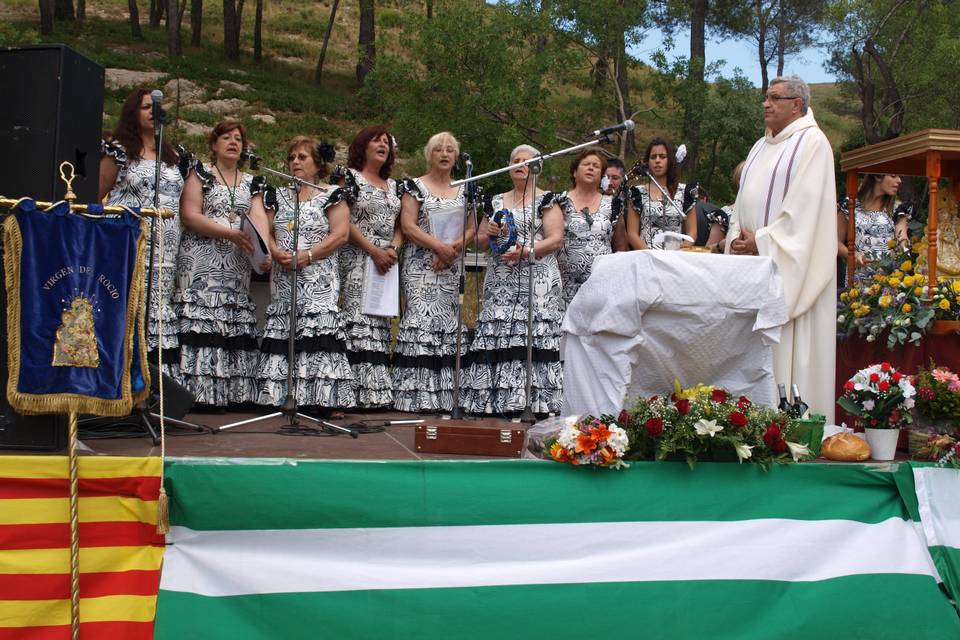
(883,443)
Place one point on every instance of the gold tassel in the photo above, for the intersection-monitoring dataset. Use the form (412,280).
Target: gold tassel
(163,513)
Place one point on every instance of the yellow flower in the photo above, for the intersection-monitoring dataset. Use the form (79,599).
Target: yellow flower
(854,293)
(885,301)
(897,274)
(918,291)
(906,265)
(894,282)
(873,290)
(844,296)
(956,286)
(891,243)
(856,304)
(907,308)
(908,281)
(917,247)
(944,304)
(920,278)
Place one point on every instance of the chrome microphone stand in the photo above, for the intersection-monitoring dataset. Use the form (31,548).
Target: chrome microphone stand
(469,211)
(535,165)
(289,406)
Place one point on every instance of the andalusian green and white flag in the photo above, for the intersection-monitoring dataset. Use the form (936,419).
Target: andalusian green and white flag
(523,549)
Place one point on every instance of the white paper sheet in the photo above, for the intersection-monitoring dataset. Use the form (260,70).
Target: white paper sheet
(254,235)
(446,225)
(381,293)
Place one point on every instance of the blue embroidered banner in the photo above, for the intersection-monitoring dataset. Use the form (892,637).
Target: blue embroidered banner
(74,291)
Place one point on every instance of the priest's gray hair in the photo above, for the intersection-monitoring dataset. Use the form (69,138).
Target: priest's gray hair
(523,148)
(796,87)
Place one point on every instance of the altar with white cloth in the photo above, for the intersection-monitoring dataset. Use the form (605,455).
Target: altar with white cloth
(646,318)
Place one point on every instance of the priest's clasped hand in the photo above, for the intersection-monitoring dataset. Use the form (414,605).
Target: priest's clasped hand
(745,244)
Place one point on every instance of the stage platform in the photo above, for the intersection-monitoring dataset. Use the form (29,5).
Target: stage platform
(263,439)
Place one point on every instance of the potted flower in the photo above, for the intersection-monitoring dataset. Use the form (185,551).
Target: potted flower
(938,400)
(881,397)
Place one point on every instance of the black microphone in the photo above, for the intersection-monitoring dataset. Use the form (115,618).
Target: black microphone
(626,125)
(465,157)
(250,156)
(158,113)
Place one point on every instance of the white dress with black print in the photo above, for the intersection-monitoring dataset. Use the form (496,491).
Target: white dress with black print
(424,358)
(494,380)
(585,236)
(321,373)
(874,231)
(374,212)
(134,188)
(218,324)
(660,215)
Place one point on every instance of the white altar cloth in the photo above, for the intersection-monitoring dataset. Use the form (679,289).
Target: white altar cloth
(646,318)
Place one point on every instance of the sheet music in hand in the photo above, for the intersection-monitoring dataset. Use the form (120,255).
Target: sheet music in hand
(381,292)
(446,225)
(255,236)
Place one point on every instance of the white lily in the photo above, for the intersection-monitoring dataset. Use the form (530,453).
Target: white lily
(707,427)
(744,451)
(798,450)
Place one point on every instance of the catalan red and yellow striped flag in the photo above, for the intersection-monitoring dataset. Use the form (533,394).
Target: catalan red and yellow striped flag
(120,550)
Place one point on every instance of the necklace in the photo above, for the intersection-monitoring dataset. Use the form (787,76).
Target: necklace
(231,191)
(585,211)
(521,199)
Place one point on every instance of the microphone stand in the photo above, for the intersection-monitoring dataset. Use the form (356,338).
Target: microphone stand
(535,165)
(469,207)
(289,406)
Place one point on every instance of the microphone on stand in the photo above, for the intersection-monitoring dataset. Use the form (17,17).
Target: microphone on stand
(250,156)
(626,125)
(158,113)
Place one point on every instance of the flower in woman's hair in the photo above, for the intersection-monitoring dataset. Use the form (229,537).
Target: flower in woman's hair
(719,395)
(683,406)
(738,419)
(654,426)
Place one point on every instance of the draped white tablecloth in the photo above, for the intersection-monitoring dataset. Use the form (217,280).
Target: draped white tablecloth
(646,318)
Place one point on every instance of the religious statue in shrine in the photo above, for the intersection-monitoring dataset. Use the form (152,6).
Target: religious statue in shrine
(948,234)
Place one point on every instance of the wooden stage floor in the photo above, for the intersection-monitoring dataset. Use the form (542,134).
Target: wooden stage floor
(264,439)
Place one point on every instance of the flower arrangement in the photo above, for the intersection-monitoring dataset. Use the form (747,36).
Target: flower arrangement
(897,299)
(938,393)
(944,449)
(593,441)
(880,396)
(706,422)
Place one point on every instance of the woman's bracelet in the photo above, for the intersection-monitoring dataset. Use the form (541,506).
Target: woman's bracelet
(310,255)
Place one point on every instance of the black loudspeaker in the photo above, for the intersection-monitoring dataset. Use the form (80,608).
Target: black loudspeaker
(38,433)
(51,110)
(177,399)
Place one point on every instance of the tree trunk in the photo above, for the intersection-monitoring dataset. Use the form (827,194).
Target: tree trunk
(258,32)
(63,10)
(156,13)
(231,30)
(600,71)
(623,89)
(367,40)
(196,21)
(46,17)
(318,72)
(545,17)
(693,110)
(781,37)
(429,9)
(81,10)
(135,30)
(173,29)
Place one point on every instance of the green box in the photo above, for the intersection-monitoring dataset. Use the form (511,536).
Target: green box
(809,431)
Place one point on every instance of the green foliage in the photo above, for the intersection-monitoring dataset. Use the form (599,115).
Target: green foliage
(475,71)
(389,19)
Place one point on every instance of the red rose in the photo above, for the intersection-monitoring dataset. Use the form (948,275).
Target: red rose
(778,446)
(874,377)
(624,417)
(719,395)
(897,376)
(883,386)
(673,397)
(884,366)
(772,434)
(683,406)
(926,393)
(873,422)
(737,419)
(894,417)
(848,386)
(654,426)
(654,398)
(743,403)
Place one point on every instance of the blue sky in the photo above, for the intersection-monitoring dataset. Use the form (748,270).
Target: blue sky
(736,53)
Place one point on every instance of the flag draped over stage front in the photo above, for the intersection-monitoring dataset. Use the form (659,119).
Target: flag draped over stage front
(294,549)
(74,290)
(120,551)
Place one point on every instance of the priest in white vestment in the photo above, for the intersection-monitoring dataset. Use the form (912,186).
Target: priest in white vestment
(786,208)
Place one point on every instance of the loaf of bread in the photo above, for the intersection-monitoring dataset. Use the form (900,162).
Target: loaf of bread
(845,447)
